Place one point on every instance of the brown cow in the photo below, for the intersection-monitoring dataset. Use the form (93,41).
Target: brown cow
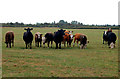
(68,37)
(38,39)
(9,38)
(83,40)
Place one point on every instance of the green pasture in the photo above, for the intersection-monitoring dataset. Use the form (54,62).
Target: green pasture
(97,60)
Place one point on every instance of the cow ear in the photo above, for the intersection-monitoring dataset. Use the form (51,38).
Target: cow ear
(31,29)
(88,41)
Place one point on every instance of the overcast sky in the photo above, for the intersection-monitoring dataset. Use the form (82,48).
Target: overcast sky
(85,11)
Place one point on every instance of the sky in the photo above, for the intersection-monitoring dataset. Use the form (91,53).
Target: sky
(84,11)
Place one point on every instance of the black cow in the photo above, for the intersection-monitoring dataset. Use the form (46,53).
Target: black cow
(110,37)
(58,37)
(28,37)
(47,39)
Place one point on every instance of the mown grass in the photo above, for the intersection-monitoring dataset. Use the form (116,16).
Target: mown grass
(97,60)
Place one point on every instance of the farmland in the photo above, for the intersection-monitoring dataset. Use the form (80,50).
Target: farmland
(97,60)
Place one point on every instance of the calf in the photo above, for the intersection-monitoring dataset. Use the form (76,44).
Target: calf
(83,40)
(47,39)
(28,37)
(68,37)
(38,39)
(58,37)
(9,38)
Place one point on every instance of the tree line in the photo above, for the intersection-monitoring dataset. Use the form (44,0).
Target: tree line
(60,24)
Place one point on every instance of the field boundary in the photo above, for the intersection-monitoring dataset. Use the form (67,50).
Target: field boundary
(60,78)
(74,28)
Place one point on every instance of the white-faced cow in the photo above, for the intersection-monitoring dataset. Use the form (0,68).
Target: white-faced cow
(28,37)
(38,39)
(58,37)
(9,38)
(83,40)
(105,36)
(48,38)
(68,37)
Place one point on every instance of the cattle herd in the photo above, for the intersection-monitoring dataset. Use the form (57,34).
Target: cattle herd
(60,36)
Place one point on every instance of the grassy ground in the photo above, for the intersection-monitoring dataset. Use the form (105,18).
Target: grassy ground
(97,60)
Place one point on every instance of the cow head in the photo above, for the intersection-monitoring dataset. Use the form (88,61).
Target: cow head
(40,36)
(70,32)
(62,32)
(28,29)
(105,32)
(43,40)
(71,36)
(112,45)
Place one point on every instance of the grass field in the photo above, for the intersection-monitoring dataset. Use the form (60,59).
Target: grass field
(97,60)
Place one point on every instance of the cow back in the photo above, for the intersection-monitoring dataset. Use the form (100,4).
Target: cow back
(49,36)
(112,37)
(58,36)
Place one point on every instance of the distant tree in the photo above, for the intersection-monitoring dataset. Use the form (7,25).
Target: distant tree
(11,23)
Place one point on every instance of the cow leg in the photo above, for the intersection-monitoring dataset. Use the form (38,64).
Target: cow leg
(103,41)
(67,43)
(40,43)
(77,43)
(26,45)
(48,43)
(35,44)
(7,45)
(12,43)
(64,43)
(59,45)
(81,46)
(109,44)
(56,45)
(30,45)
(51,43)
(43,45)
(74,42)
